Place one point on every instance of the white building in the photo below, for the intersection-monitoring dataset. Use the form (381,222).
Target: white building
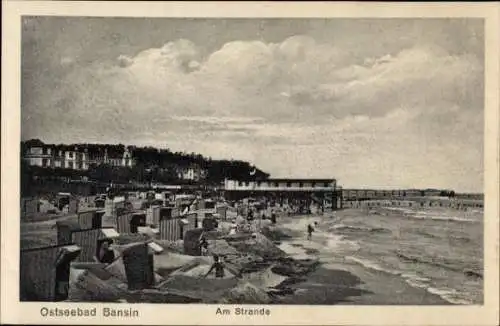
(281,185)
(78,158)
(305,192)
(193,173)
(38,155)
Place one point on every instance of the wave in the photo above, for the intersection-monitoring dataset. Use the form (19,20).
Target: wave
(441,218)
(350,228)
(423,260)
(428,235)
(430,215)
(444,263)
(449,295)
(335,243)
(442,236)
(414,280)
(371,265)
(460,239)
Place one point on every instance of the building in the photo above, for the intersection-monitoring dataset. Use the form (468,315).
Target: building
(75,157)
(191,173)
(285,191)
(289,185)
(37,154)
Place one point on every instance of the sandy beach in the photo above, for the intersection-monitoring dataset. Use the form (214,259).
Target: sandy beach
(341,277)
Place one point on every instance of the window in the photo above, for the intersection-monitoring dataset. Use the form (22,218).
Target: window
(70,154)
(240,183)
(45,162)
(288,184)
(327,184)
(313,184)
(276,185)
(301,184)
(70,165)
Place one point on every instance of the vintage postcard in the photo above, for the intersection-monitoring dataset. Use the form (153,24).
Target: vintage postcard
(250,163)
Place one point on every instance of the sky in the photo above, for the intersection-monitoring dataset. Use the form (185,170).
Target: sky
(371,102)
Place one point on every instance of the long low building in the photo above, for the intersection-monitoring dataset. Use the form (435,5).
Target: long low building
(321,191)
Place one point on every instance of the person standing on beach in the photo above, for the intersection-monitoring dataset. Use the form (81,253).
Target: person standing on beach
(250,215)
(309,231)
(273,217)
(218,266)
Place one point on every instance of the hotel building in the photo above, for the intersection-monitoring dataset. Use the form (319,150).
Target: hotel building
(36,153)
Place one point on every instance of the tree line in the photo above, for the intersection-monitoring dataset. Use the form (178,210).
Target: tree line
(150,165)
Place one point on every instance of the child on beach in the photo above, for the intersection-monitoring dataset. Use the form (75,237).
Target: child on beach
(218,266)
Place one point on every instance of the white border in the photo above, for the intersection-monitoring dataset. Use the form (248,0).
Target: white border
(28,313)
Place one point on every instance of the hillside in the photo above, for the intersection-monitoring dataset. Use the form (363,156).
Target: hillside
(150,164)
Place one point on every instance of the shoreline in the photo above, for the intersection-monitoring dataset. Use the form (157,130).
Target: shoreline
(335,280)
(350,283)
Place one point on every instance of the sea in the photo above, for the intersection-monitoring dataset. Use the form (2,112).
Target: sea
(439,250)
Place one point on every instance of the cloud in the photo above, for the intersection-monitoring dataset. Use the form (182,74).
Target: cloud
(419,78)
(299,106)
(65,61)
(281,81)
(215,120)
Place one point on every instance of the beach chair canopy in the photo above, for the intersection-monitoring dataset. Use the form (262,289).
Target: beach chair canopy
(110,233)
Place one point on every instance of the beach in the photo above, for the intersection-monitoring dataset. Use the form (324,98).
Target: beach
(377,256)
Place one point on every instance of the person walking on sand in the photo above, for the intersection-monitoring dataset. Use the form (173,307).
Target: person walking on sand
(309,231)
(218,266)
